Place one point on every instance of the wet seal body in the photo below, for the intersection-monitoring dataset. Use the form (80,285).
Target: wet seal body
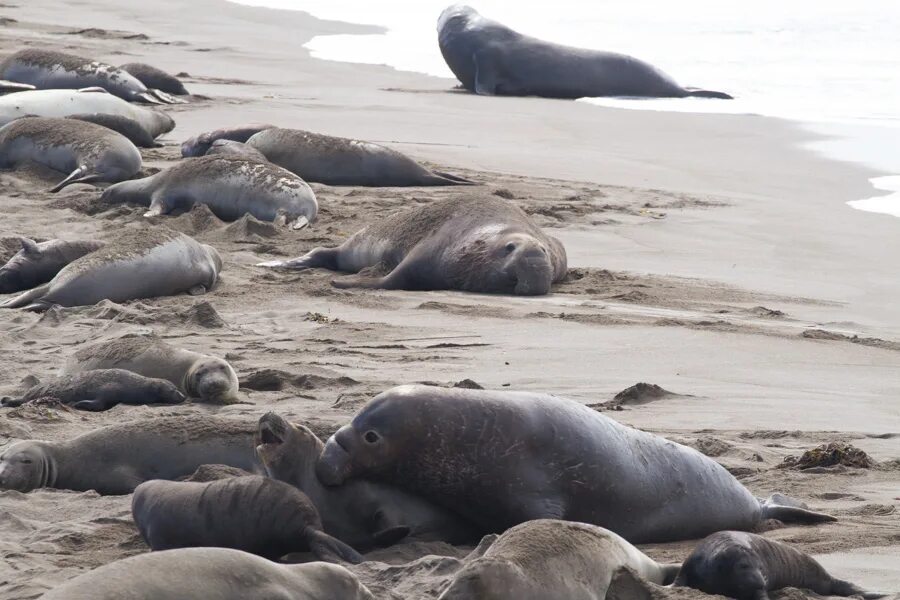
(361,513)
(211,573)
(229,186)
(84,152)
(747,566)
(200,144)
(128,127)
(208,378)
(489,58)
(116,459)
(502,458)
(474,244)
(154,78)
(252,513)
(101,389)
(38,263)
(342,161)
(547,558)
(139,264)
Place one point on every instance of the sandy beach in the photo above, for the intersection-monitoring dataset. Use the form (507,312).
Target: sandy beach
(712,255)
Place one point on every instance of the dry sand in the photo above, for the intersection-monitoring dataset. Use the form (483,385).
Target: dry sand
(711,255)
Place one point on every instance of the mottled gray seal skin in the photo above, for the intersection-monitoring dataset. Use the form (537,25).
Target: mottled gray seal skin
(38,263)
(253,513)
(361,513)
(200,145)
(548,558)
(211,574)
(101,389)
(747,566)
(237,149)
(230,186)
(84,152)
(207,378)
(49,69)
(155,78)
(502,458)
(128,127)
(474,244)
(342,161)
(489,58)
(116,459)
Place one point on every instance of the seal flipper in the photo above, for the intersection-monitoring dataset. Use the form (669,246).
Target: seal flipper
(79,175)
(789,510)
(93,405)
(438,178)
(390,536)
(327,548)
(698,93)
(485,75)
(164,97)
(25,299)
(320,257)
(839,587)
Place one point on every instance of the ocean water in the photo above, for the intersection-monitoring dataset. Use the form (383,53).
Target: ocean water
(832,65)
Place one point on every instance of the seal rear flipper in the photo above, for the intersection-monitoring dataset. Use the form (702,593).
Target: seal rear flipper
(361,281)
(23,300)
(790,510)
(670,572)
(839,587)
(698,93)
(324,547)
(92,405)
(79,175)
(164,97)
(147,97)
(438,178)
(456,178)
(13,86)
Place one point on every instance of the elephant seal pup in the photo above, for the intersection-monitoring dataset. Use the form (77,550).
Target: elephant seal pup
(128,127)
(85,152)
(547,558)
(38,263)
(489,58)
(208,378)
(502,458)
(101,389)
(155,79)
(474,244)
(200,144)
(229,186)
(211,574)
(139,264)
(238,149)
(342,161)
(361,513)
(254,514)
(746,566)
(116,459)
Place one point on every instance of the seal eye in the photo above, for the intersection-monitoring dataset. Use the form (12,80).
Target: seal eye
(510,247)
(371,437)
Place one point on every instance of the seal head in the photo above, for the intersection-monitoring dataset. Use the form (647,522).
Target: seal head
(25,466)
(212,380)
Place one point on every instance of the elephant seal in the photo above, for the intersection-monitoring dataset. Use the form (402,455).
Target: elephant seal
(101,389)
(547,558)
(253,513)
(139,264)
(200,144)
(197,375)
(49,69)
(472,244)
(63,103)
(232,148)
(502,458)
(116,459)
(85,152)
(38,263)
(342,161)
(211,574)
(229,186)
(155,79)
(128,127)
(746,566)
(361,513)
(491,59)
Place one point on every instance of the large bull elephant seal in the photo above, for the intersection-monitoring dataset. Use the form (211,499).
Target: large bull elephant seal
(155,79)
(546,558)
(202,376)
(116,459)
(38,263)
(139,264)
(475,244)
(342,161)
(200,144)
(491,59)
(84,152)
(502,458)
(211,573)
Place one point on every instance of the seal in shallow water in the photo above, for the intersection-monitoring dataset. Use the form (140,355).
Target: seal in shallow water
(38,263)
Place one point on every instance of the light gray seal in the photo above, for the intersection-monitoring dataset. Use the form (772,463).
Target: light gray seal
(252,513)
(342,161)
(116,459)
(38,263)
(200,144)
(545,558)
(503,458)
(128,127)
(139,264)
(232,148)
(155,79)
(211,574)
(101,389)
(84,152)
(747,566)
(474,244)
(208,378)
(489,58)
(230,186)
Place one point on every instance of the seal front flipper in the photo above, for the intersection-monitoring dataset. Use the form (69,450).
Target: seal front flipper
(485,75)
(92,405)
(79,175)
(390,536)
(789,510)
(320,257)
(324,547)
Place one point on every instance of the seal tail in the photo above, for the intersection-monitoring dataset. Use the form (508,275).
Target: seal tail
(789,510)
(79,175)
(330,549)
(698,93)
(25,299)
